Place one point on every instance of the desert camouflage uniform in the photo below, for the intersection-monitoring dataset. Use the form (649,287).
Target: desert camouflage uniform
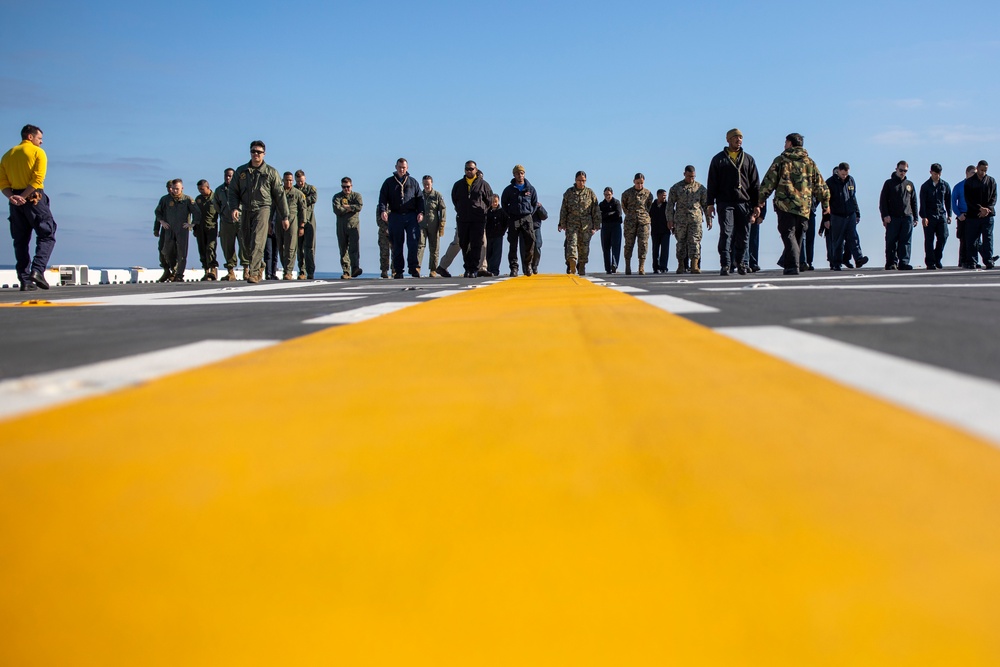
(430,228)
(685,210)
(636,205)
(580,216)
(384,244)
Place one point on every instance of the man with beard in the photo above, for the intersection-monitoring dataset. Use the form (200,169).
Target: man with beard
(306,250)
(206,230)
(229,229)
(980,202)
(732,188)
(471,196)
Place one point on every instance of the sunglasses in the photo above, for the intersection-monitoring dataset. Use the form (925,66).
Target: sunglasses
(256,152)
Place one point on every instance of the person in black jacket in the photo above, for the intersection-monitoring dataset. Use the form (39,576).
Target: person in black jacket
(611,230)
(844,216)
(472,197)
(496,227)
(980,203)
(935,215)
(519,201)
(659,233)
(401,205)
(537,218)
(733,187)
(898,206)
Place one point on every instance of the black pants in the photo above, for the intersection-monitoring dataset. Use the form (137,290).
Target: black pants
(470,239)
(791,228)
(27,219)
(734,230)
(935,235)
(521,233)
(660,249)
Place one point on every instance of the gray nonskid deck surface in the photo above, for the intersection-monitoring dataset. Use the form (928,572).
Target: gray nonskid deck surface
(944,318)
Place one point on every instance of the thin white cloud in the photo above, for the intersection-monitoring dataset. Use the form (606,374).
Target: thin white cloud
(950,135)
(896,137)
(911,103)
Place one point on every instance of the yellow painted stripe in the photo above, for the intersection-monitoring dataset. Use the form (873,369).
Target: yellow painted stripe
(44,303)
(538,472)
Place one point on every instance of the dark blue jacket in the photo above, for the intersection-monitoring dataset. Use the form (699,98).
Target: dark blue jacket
(843,197)
(404,196)
(935,200)
(519,204)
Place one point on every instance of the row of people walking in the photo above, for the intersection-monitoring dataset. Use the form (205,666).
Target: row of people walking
(411,216)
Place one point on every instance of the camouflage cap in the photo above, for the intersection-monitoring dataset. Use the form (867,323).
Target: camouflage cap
(518,168)
(733,133)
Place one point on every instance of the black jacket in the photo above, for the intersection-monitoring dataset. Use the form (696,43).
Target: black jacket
(728,182)
(980,193)
(496,222)
(519,204)
(898,198)
(611,212)
(843,197)
(471,204)
(658,218)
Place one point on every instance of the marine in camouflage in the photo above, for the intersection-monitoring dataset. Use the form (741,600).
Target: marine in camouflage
(580,216)
(636,205)
(686,203)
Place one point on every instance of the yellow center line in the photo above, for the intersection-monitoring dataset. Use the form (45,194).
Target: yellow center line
(542,471)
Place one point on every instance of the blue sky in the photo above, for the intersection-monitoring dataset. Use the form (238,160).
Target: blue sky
(130,95)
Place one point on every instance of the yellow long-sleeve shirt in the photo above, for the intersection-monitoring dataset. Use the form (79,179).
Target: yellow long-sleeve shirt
(23,166)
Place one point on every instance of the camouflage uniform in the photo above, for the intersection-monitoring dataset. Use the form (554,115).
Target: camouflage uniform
(288,239)
(580,216)
(636,205)
(307,242)
(685,209)
(347,206)
(795,180)
(384,244)
(435,214)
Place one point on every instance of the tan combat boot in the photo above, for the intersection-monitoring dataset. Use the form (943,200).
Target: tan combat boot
(695,265)
(287,276)
(682,266)
(302,276)
(642,266)
(230,275)
(581,269)
(572,265)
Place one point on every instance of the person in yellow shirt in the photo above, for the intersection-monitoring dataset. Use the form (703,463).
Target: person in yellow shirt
(22,179)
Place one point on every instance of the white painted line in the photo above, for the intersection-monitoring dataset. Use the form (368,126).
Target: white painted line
(672,304)
(403,284)
(442,293)
(966,402)
(627,289)
(196,299)
(361,314)
(776,284)
(34,392)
